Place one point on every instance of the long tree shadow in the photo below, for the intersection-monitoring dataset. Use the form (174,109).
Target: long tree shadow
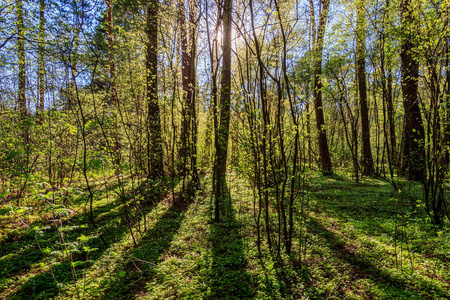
(361,267)
(373,211)
(228,278)
(18,256)
(130,279)
(83,252)
(26,237)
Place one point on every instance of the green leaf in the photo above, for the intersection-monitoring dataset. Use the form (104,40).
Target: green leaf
(122,274)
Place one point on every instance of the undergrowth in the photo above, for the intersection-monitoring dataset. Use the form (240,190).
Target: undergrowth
(359,241)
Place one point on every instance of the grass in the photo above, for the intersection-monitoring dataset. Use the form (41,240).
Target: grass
(360,241)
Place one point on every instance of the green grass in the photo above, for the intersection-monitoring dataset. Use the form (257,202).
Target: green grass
(363,241)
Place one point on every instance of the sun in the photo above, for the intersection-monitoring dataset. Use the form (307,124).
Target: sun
(235,37)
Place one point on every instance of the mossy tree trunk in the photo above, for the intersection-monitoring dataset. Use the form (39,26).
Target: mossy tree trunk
(154,138)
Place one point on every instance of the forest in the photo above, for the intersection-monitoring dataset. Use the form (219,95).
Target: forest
(224,149)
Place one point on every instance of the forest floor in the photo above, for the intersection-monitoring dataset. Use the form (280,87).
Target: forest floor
(357,241)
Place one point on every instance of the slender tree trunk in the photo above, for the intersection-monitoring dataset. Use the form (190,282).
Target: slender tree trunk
(41,62)
(212,109)
(287,230)
(391,120)
(388,111)
(225,103)
(249,108)
(213,55)
(367,159)
(388,96)
(377,131)
(318,38)
(265,124)
(193,33)
(447,102)
(414,149)
(183,152)
(79,22)
(188,148)
(308,126)
(22,76)
(112,74)
(154,142)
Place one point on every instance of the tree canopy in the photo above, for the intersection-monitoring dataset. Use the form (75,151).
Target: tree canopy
(250,104)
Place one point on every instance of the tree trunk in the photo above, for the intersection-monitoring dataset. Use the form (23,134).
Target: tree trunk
(187,151)
(79,22)
(446,101)
(112,73)
(265,124)
(22,76)
(367,159)
(193,33)
(390,106)
(414,150)
(183,152)
(224,118)
(41,63)
(318,38)
(308,125)
(154,142)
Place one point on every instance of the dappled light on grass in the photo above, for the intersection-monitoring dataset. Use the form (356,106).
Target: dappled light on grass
(360,243)
(138,266)
(376,238)
(59,253)
(39,264)
(228,277)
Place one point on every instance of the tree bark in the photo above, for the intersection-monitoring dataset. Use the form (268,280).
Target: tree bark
(112,74)
(193,33)
(188,151)
(367,160)
(154,142)
(41,63)
(414,149)
(390,109)
(183,152)
(225,103)
(318,38)
(22,75)
(79,22)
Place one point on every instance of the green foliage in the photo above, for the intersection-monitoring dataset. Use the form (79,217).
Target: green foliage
(359,243)
(79,218)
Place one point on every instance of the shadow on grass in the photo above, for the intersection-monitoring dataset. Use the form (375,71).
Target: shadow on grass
(16,244)
(393,286)
(19,256)
(374,210)
(43,286)
(228,278)
(131,278)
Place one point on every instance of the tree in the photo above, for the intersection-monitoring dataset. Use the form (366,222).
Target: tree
(79,19)
(367,160)
(188,41)
(22,75)
(317,40)
(41,63)
(414,135)
(187,89)
(112,73)
(154,142)
(224,107)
